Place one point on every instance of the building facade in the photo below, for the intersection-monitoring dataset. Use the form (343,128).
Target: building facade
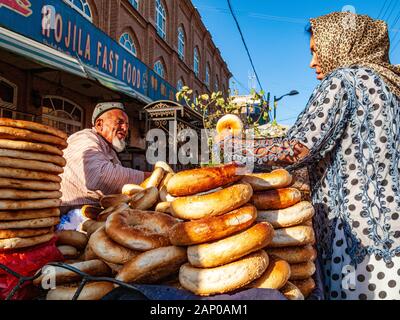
(168,35)
(165,39)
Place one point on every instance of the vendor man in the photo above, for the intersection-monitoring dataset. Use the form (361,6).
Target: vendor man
(93,166)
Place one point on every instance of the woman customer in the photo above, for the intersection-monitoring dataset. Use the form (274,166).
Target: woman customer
(349,137)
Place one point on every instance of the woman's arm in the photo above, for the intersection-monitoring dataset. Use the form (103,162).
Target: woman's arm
(317,131)
(277,151)
(288,153)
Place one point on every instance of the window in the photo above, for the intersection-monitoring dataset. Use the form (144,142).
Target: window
(62,114)
(159,69)
(196,62)
(82,7)
(8,94)
(181,43)
(127,42)
(216,85)
(207,80)
(179,85)
(135,4)
(161,18)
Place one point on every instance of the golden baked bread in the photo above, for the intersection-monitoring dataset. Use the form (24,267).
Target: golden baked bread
(73,238)
(214,254)
(108,250)
(291,292)
(9,183)
(18,215)
(213,228)
(224,279)
(91,291)
(15,194)
(30,146)
(30,223)
(302,271)
(155,179)
(16,243)
(293,237)
(34,126)
(23,233)
(294,255)
(276,179)
(6,205)
(145,199)
(30,165)
(289,217)
(62,275)
(275,277)
(27,135)
(154,265)
(26,155)
(140,230)
(191,182)
(306,286)
(276,199)
(214,204)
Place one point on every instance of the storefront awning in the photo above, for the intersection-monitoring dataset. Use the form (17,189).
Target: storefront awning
(48,56)
(40,53)
(53,34)
(114,84)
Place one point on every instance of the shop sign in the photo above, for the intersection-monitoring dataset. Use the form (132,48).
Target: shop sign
(56,24)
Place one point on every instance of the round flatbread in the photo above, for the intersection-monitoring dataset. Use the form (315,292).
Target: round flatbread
(60,161)
(15,243)
(27,175)
(29,214)
(27,135)
(30,165)
(11,194)
(23,233)
(29,146)
(30,224)
(34,126)
(8,183)
(29,204)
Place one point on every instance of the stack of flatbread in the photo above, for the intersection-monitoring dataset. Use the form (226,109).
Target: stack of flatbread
(30,164)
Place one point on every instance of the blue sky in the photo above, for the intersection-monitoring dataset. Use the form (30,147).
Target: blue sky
(274,32)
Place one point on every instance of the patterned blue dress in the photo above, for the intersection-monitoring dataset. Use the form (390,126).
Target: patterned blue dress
(352,127)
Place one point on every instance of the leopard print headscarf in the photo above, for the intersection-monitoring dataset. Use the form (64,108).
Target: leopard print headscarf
(345,39)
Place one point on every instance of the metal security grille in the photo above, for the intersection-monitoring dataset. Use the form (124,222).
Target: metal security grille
(22,280)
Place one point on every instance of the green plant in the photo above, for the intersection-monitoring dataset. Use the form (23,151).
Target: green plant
(214,106)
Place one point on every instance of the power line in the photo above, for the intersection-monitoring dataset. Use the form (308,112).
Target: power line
(241,84)
(387,9)
(261,15)
(384,5)
(255,15)
(244,43)
(396,45)
(395,22)
(282,120)
(396,35)
(391,12)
